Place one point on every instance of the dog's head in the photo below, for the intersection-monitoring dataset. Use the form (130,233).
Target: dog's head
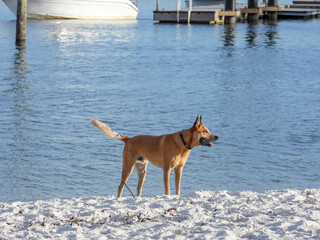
(201,134)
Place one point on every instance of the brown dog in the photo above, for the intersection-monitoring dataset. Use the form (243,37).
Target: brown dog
(166,151)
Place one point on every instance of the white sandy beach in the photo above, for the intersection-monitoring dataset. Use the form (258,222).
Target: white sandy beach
(285,214)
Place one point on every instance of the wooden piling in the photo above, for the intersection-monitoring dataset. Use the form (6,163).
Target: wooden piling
(229,5)
(189,11)
(178,10)
(21,22)
(272,15)
(252,16)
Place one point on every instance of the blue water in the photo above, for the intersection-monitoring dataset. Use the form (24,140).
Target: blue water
(257,87)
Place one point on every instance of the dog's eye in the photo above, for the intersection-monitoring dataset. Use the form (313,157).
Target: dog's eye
(206,131)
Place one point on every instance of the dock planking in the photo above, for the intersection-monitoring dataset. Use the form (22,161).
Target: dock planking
(302,9)
(213,14)
(299,13)
(306,2)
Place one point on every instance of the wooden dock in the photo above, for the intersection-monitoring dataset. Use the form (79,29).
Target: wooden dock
(213,14)
(302,9)
(199,14)
(299,13)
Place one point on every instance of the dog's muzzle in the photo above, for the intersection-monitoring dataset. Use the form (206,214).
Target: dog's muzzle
(208,142)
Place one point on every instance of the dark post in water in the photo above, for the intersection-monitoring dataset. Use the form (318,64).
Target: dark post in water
(21,22)
(230,5)
(272,15)
(253,17)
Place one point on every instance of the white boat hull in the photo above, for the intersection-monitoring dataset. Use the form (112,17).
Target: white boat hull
(77,9)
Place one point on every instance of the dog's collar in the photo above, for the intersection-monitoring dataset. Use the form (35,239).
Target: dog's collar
(184,143)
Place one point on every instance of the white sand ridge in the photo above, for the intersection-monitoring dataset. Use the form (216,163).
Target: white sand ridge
(285,214)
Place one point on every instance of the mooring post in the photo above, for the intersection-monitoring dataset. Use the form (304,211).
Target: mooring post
(21,22)
(272,15)
(190,9)
(253,17)
(178,10)
(229,5)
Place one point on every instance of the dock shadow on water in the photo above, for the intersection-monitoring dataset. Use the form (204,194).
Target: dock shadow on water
(271,33)
(267,31)
(229,35)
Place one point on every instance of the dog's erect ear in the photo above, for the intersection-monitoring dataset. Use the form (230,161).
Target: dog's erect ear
(198,122)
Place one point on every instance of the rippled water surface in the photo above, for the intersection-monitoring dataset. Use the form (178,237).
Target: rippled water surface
(257,87)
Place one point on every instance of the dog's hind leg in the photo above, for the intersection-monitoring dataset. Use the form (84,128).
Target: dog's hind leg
(125,176)
(141,167)
(127,167)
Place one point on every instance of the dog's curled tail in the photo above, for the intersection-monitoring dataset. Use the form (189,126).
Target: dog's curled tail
(108,131)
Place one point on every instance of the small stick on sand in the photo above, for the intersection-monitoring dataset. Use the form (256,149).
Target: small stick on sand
(128,189)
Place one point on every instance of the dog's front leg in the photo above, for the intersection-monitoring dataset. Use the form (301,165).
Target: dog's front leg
(177,177)
(166,178)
